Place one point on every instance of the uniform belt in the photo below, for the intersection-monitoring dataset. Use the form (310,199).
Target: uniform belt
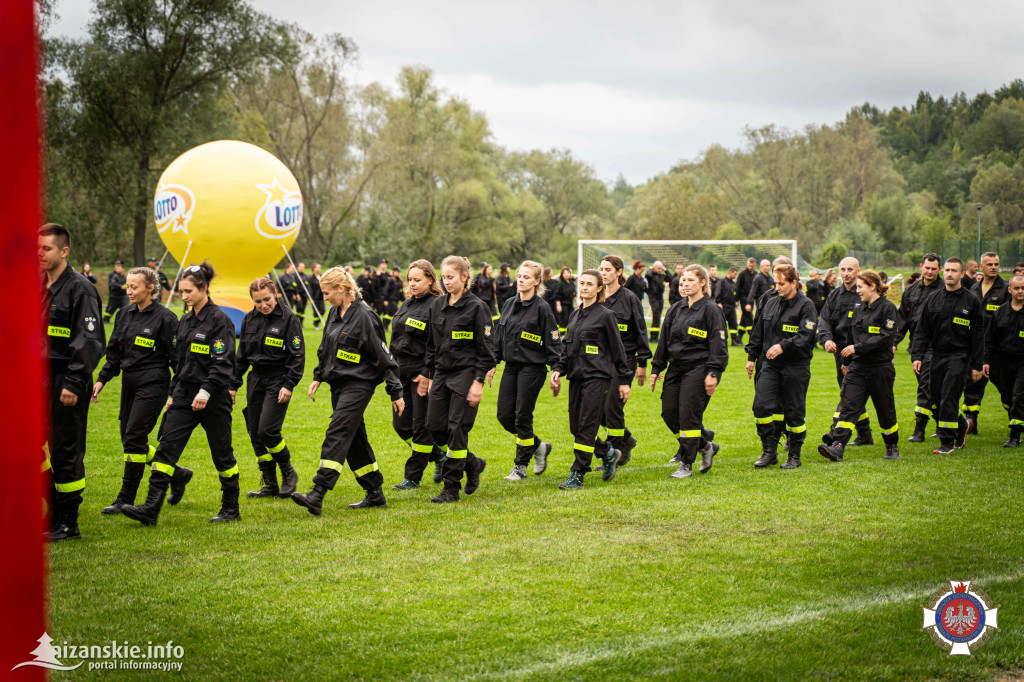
(269,370)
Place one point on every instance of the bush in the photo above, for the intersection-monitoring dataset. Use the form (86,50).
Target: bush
(913,258)
(890,257)
(830,254)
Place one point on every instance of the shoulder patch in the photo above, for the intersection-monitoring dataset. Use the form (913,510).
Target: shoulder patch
(809,324)
(889,324)
(554,335)
(721,332)
(219,347)
(296,342)
(487,330)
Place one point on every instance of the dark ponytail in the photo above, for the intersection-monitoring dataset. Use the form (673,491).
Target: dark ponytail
(617,263)
(201,275)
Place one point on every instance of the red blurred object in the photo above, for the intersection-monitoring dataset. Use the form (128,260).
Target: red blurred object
(23,567)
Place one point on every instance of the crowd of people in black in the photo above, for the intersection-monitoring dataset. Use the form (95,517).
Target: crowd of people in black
(435,338)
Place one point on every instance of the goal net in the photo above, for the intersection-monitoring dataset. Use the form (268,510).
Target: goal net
(723,253)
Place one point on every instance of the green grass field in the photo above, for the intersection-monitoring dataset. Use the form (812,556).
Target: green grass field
(815,573)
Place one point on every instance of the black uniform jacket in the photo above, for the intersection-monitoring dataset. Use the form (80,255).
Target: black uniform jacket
(592,348)
(998,294)
(460,337)
(504,288)
(566,293)
(872,332)
(141,340)
(552,292)
(366,288)
(836,315)
(761,284)
(527,333)
(656,284)
(73,329)
(353,348)
(693,335)
(637,285)
(744,281)
(204,349)
(951,323)
(816,292)
(410,331)
(789,322)
(912,303)
(115,286)
(1004,335)
(629,318)
(271,344)
(724,293)
(673,291)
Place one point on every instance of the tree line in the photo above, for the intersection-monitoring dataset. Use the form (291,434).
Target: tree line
(406,170)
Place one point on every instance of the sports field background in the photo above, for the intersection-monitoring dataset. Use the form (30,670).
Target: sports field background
(815,573)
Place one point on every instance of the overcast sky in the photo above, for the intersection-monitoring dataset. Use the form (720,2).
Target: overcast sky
(635,87)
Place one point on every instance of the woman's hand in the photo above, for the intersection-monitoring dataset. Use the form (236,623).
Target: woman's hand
(313,386)
(654,380)
(750,369)
(848,351)
(555,383)
(232,394)
(284,395)
(624,393)
(422,385)
(476,394)
(490,375)
(710,384)
(398,405)
(774,352)
(98,386)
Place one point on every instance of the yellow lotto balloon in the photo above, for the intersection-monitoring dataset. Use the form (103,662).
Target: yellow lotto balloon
(233,204)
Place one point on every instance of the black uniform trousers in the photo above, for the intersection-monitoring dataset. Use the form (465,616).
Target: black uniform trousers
(657,305)
(923,410)
(517,397)
(66,443)
(780,402)
(746,321)
(730,318)
(948,377)
(178,424)
(973,395)
(143,396)
(1008,377)
(683,402)
(345,439)
(115,303)
(449,421)
(411,427)
(587,398)
(562,317)
(264,416)
(875,382)
(614,418)
(861,420)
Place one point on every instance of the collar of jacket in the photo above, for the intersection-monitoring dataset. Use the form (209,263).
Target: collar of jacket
(201,315)
(278,311)
(459,303)
(527,303)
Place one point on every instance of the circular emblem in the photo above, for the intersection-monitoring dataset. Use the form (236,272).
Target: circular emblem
(960,618)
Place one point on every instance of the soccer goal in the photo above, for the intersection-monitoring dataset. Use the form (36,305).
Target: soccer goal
(724,253)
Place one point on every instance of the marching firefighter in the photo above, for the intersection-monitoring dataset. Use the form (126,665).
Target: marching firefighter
(353,359)
(993,293)
(527,340)
(1004,357)
(744,283)
(142,349)
(695,348)
(868,368)
(911,304)
(657,278)
(594,361)
(271,343)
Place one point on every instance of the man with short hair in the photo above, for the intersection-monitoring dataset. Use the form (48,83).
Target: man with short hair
(993,292)
(673,288)
(951,325)
(117,297)
(762,283)
(743,284)
(835,333)
(724,295)
(914,298)
(815,290)
(302,279)
(657,278)
(970,276)
(1004,356)
(75,345)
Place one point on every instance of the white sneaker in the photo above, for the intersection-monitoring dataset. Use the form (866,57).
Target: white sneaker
(540,458)
(518,473)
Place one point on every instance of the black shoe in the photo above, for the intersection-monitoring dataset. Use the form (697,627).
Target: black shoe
(289,478)
(67,529)
(473,475)
(961,435)
(447,495)
(944,449)
(228,507)
(179,480)
(313,500)
(268,472)
(916,437)
(374,498)
(439,469)
(406,484)
(736,342)
(792,458)
(133,472)
(833,453)
(611,459)
(828,438)
(707,456)
(1012,443)
(626,453)
(148,512)
(769,456)
(862,439)
(892,452)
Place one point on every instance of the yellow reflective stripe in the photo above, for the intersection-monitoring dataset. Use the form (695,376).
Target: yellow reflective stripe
(348,357)
(623,327)
(961,321)
(228,473)
(797,429)
(444,449)
(271,341)
(1016,422)
(591,350)
(415,324)
(458,454)
(330,464)
(655,329)
(846,425)
(46,465)
(765,420)
(136,458)
(265,458)
(835,415)
(70,487)
(144,342)
(894,429)
(690,434)
(526,442)
(947,425)
(972,408)
(368,469)
(278,448)
(151,455)
(791,328)
(583,448)
(923,410)
(164,468)
(874,330)
(862,417)
(200,348)
(62,332)
(616,432)
(461,335)
(562,329)
(495,317)
(420,447)
(699,333)
(530,337)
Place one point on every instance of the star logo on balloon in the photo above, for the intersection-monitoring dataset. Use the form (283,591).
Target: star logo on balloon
(173,205)
(281,213)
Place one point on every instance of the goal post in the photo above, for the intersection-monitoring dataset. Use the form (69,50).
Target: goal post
(721,252)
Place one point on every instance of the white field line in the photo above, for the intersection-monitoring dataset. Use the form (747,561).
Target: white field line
(705,630)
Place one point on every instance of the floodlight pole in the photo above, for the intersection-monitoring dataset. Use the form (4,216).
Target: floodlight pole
(978,206)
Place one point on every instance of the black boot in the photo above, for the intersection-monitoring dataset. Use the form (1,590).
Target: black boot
(962,425)
(313,500)
(289,477)
(972,423)
(769,453)
(920,424)
(148,511)
(228,505)
(473,475)
(374,498)
(1014,440)
(439,468)
(268,472)
(447,495)
(792,457)
(67,527)
(834,452)
(179,480)
(626,453)
(133,472)
(863,438)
